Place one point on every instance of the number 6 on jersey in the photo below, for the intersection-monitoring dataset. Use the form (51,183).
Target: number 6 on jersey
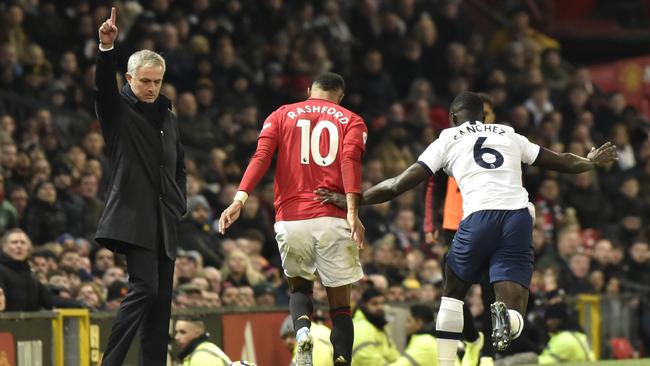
(312,142)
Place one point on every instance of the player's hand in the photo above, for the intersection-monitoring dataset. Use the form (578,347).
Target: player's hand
(357,230)
(431,238)
(603,155)
(327,196)
(229,216)
(108,30)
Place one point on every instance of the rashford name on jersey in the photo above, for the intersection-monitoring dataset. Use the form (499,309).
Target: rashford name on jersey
(323,109)
(479,128)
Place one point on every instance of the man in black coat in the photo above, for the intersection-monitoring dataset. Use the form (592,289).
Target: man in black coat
(22,289)
(146,195)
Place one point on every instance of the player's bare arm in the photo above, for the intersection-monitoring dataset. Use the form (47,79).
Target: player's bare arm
(383,191)
(571,163)
(357,230)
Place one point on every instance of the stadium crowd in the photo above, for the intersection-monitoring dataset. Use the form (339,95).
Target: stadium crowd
(232,62)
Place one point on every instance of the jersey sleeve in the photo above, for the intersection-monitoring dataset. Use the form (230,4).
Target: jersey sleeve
(433,157)
(261,160)
(529,151)
(354,144)
(356,134)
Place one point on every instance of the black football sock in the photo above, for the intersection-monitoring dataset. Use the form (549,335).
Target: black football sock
(470,334)
(342,335)
(301,308)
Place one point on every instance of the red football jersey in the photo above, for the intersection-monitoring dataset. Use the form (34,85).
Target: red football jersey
(319,145)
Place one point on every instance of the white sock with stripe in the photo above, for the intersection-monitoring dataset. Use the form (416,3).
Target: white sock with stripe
(449,326)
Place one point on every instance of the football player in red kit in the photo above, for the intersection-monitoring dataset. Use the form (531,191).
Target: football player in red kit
(319,145)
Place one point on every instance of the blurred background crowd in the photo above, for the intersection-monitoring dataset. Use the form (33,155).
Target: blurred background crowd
(232,62)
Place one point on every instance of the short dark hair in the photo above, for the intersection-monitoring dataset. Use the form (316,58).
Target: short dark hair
(330,81)
(422,312)
(469,102)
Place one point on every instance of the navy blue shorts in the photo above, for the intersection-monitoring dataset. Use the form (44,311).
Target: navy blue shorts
(500,241)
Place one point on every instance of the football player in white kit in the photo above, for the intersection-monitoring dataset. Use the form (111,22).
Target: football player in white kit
(495,234)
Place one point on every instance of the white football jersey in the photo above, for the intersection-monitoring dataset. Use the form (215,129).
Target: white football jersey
(485,160)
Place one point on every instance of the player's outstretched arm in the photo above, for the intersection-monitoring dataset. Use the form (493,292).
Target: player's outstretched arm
(571,163)
(393,187)
(383,191)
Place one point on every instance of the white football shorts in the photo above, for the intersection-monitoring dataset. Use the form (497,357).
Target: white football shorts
(321,246)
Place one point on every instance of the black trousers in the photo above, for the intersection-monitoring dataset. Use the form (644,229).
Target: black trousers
(146,308)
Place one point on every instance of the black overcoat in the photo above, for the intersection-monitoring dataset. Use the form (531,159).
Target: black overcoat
(146,197)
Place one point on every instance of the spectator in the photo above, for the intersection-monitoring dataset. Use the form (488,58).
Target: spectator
(520,30)
(195,232)
(115,292)
(23,292)
(44,218)
(371,88)
(112,274)
(637,266)
(592,207)
(246,296)
(196,350)
(93,206)
(238,270)
(422,346)
(187,265)
(568,342)
(229,296)
(103,260)
(373,345)
(8,214)
(91,296)
(42,262)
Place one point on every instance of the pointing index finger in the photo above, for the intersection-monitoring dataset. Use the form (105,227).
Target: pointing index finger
(113,14)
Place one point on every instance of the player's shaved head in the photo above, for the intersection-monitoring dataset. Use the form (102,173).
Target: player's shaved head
(330,82)
(467,106)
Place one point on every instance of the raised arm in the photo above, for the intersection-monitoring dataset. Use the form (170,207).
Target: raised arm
(571,163)
(106,92)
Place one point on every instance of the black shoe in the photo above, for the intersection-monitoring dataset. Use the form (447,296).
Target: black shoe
(500,326)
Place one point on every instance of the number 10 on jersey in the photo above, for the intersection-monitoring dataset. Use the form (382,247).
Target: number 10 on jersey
(312,142)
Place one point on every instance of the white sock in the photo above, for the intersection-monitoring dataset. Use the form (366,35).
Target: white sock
(301,333)
(450,321)
(516,323)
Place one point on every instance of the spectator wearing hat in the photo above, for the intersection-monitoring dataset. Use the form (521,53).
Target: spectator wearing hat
(188,263)
(115,293)
(264,294)
(372,341)
(196,233)
(188,295)
(568,342)
(196,350)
